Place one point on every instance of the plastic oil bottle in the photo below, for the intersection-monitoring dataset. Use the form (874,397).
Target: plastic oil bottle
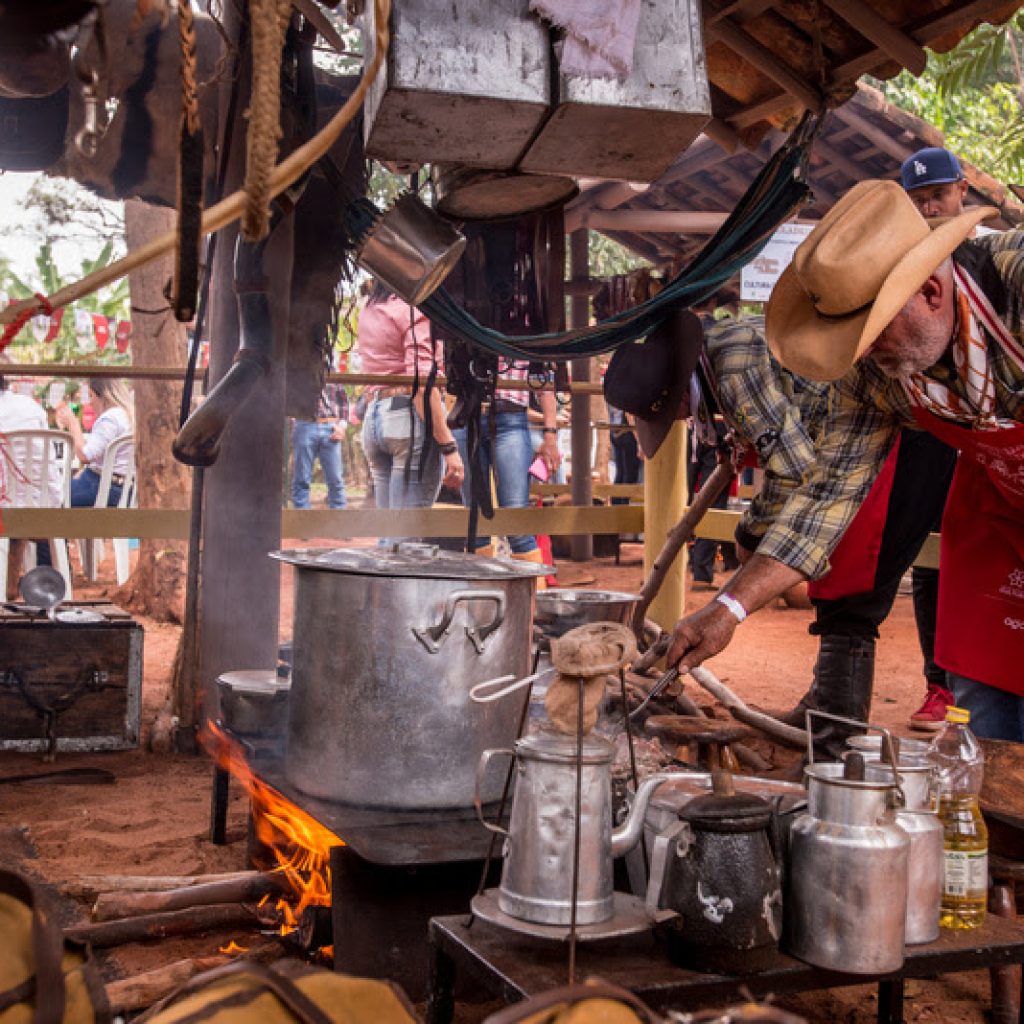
(960,768)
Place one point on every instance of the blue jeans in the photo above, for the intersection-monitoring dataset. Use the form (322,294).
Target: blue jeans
(995,714)
(510,462)
(312,441)
(390,447)
(84,488)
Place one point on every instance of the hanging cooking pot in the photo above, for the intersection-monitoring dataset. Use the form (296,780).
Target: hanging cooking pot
(387,644)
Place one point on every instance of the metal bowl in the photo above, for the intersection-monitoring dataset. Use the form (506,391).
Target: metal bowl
(560,609)
(871,743)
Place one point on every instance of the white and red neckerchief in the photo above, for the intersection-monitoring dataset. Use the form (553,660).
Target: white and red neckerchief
(976,320)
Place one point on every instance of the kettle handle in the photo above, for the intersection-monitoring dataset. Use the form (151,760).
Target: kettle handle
(480,694)
(481,768)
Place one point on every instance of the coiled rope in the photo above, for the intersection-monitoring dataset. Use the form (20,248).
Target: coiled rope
(230,209)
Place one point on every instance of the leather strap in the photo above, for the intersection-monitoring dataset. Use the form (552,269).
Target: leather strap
(47,952)
(570,995)
(288,993)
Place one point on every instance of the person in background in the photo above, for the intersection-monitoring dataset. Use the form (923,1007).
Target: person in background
(408,463)
(111,401)
(19,412)
(703,460)
(506,451)
(321,438)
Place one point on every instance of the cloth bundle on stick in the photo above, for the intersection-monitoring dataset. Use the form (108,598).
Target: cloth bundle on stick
(591,653)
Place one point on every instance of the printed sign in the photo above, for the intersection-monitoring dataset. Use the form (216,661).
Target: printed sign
(758,277)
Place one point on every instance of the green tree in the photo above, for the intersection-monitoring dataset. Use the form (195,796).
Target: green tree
(973,94)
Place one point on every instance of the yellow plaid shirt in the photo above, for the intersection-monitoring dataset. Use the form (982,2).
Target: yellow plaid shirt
(821,445)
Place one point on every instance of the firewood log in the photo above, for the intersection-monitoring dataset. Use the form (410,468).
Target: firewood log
(145,989)
(110,906)
(90,886)
(159,926)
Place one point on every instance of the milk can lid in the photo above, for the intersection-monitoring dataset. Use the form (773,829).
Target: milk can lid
(424,561)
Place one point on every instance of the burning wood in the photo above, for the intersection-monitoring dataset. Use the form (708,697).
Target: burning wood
(248,887)
(160,926)
(90,886)
(300,845)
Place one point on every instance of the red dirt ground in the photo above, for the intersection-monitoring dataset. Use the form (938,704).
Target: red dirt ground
(155,820)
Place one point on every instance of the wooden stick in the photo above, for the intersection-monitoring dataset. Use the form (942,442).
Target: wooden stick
(89,886)
(145,989)
(678,536)
(786,734)
(160,926)
(111,906)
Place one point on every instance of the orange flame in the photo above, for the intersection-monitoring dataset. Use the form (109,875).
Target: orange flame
(301,845)
(233,949)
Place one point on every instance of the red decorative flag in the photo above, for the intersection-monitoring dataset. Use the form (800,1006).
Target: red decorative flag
(56,319)
(101,328)
(123,335)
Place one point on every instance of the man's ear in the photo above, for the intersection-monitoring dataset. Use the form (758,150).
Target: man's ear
(963,189)
(934,291)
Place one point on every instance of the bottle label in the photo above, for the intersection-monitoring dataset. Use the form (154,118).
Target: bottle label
(966,873)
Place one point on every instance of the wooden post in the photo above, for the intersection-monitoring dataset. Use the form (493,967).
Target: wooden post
(239,595)
(582,490)
(664,504)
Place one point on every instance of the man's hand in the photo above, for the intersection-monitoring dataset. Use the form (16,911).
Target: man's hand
(700,636)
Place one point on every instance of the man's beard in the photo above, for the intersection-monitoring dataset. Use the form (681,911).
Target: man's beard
(922,341)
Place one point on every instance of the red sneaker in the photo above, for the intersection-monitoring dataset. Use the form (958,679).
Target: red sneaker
(931,716)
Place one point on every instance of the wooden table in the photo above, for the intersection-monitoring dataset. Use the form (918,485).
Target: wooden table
(511,967)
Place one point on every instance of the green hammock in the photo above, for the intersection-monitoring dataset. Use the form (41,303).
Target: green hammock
(775,194)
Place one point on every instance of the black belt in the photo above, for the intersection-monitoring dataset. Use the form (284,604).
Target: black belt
(396,402)
(502,405)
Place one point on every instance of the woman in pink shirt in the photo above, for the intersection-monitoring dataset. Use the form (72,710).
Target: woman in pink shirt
(394,339)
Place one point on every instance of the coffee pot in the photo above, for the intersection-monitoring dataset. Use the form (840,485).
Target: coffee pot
(716,868)
(846,894)
(537,874)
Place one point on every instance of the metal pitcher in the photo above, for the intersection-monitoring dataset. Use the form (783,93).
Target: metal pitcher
(537,874)
(846,899)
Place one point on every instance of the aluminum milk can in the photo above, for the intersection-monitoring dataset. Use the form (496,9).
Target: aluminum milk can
(536,877)
(920,820)
(846,898)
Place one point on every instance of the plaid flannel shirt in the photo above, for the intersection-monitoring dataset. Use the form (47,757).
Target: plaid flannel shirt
(822,444)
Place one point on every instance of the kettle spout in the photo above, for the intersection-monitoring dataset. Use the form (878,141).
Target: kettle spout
(627,835)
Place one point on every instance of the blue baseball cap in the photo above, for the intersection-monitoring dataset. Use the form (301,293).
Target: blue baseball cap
(931,166)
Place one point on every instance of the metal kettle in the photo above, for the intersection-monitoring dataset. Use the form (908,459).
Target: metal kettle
(717,869)
(846,895)
(536,876)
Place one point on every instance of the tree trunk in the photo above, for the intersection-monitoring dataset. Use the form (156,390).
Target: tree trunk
(157,587)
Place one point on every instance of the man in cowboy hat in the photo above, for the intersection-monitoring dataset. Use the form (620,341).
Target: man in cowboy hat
(936,347)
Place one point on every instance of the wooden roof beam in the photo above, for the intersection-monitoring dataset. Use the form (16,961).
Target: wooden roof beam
(875,135)
(870,24)
(840,161)
(923,33)
(729,33)
(691,222)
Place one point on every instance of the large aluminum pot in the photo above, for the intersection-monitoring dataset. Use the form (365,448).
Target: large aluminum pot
(387,644)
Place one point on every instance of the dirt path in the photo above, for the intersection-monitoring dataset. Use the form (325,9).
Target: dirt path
(155,820)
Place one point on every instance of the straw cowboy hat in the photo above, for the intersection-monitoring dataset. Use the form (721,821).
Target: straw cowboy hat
(853,273)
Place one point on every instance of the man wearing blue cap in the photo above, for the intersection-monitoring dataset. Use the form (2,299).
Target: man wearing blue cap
(935,182)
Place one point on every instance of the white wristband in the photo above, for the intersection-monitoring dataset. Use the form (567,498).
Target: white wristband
(733,605)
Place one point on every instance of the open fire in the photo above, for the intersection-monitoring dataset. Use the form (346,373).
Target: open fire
(300,845)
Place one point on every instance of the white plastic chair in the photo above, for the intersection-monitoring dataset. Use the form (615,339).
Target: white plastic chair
(92,551)
(30,461)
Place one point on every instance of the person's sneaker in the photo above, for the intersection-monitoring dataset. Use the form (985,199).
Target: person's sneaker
(931,715)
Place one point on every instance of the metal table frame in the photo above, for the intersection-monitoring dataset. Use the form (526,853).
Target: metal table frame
(512,967)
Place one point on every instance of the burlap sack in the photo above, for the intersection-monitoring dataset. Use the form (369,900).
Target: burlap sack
(595,649)
(562,702)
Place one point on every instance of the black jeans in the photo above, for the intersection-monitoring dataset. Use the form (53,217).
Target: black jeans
(702,554)
(924,471)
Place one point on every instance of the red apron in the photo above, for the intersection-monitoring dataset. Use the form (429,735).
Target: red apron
(855,559)
(980,631)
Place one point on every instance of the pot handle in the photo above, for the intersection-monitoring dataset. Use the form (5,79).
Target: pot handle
(481,768)
(479,694)
(430,636)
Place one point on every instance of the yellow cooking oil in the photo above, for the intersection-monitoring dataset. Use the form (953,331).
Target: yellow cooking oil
(965,862)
